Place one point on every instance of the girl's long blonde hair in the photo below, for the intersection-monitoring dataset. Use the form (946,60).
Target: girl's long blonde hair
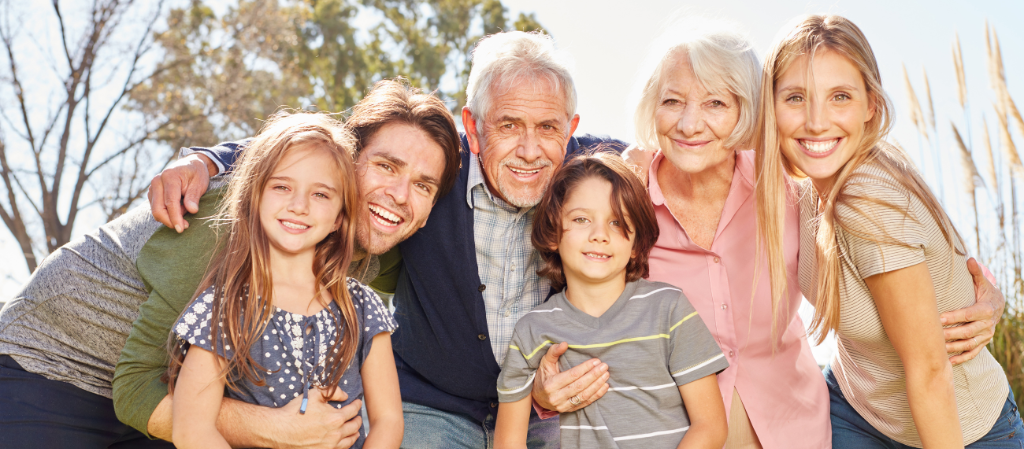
(240,272)
(806,36)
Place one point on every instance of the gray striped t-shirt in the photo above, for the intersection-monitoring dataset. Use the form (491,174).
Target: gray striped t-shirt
(652,340)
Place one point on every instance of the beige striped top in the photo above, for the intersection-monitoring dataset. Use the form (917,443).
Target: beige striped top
(869,372)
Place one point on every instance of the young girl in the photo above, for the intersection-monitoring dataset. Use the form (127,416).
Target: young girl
(278,319)
(878,255)
(595,228)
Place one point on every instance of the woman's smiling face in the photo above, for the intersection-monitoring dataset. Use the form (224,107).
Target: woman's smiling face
(821,113)
(693,123)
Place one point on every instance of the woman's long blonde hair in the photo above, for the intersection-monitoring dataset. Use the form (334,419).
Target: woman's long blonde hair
(240,272)
(806,36)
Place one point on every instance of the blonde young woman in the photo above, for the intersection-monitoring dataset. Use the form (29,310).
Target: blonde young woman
(698,110)
(879,257)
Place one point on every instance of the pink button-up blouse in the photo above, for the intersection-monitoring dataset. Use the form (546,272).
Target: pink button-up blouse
(784,393)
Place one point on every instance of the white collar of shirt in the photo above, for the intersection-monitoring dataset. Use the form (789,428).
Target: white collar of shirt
(475,178)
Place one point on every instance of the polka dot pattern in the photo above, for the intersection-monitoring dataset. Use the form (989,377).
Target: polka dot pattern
(291,357)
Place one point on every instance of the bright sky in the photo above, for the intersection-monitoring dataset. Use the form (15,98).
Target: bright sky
(609,40)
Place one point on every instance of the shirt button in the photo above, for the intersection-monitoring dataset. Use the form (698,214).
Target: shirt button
(494,405)
(508,313)
(482,337)
(724,306)
(482,287)
(717,260)
(732,354)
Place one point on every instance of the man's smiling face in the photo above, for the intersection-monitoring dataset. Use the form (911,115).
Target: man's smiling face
(523,140)
(397,172)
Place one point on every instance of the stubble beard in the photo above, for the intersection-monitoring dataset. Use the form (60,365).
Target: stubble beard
(517,197)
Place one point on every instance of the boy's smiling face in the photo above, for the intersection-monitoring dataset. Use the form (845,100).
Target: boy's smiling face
(594,247)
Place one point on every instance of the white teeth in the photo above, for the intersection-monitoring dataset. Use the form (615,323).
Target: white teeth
(385,214)
(598,256)
(291,225)
(525,172)
(819,147)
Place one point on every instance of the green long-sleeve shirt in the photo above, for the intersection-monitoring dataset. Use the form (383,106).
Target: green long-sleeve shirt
(172,265)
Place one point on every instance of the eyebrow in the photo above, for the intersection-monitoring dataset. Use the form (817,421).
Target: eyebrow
(401,163)
(317,184)
(581,209)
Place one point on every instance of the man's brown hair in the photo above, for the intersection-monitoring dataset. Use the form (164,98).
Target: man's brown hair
(394,101)
(629,199)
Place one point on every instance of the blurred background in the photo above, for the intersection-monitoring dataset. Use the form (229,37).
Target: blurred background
(96,96)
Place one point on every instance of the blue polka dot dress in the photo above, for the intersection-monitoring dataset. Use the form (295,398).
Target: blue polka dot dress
(294,360)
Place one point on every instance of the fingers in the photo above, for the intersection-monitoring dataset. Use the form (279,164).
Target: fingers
(639,160)
(172,200)
(978,329)
(979,272)
(196,180)
(965,356)
(338,396)
(192,194)
(979,311)
(593,392)
(156,203)
(350,430)
(584,380)
(352,410)
(551,357)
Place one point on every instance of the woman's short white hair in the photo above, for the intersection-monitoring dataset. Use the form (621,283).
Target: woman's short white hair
(722,60)
(502,61)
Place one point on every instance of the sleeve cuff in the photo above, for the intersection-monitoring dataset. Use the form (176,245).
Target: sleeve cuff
(542,412)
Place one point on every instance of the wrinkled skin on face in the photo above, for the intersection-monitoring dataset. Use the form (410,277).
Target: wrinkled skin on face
(523,140)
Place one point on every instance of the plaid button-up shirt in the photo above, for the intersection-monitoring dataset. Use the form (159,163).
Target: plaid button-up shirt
(506,260)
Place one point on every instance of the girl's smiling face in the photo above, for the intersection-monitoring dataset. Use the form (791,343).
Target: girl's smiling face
(302,201)
(821,112)
(594,247)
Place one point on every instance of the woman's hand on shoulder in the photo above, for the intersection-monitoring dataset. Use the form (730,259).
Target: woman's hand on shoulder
(639,160)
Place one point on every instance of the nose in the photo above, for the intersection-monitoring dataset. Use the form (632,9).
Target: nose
(599,232)
(691,122)
(529,148)
(817,116)
(299,204)
(398,189)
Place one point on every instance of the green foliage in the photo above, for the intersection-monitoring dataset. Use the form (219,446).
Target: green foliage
(222,75)
(1007,347)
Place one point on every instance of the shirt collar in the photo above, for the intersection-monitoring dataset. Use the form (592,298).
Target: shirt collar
(475,178)
(744,170)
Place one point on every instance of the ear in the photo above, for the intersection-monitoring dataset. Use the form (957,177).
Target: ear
(872,104)
(337,222)
(573,124)
(469,127)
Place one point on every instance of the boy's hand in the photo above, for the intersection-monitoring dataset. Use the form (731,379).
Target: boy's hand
(573,389)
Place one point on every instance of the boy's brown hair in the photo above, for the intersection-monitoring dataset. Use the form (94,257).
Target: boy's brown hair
(629,199)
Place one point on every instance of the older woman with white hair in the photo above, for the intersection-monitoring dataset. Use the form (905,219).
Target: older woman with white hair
(699,109)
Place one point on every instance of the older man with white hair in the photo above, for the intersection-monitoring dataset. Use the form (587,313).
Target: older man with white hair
(471,272)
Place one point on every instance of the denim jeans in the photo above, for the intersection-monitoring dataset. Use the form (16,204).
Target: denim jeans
(851,431)
(429,428)
(39,412)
